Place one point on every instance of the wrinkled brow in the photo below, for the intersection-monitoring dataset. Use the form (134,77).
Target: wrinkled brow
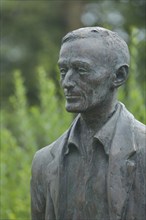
(83,63)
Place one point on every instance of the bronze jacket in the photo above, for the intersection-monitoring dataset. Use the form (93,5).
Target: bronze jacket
(126,182)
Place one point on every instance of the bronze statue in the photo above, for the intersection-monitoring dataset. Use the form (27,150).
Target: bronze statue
(97,169)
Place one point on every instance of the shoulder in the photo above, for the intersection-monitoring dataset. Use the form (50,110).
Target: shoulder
(140,135)
(45,155)
(40,157)
(138,129)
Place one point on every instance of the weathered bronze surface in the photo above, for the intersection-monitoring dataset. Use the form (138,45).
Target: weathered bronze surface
(97,169)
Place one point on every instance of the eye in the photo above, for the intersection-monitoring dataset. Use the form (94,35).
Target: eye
(82,70)
(63,71)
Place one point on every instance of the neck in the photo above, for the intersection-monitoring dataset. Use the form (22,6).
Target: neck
(95,118)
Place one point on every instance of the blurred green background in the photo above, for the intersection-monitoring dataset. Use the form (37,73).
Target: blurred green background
(32,104)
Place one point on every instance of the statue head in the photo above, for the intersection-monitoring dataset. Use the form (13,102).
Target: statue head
(93,63)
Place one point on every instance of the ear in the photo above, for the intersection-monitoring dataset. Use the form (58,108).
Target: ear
(121,76)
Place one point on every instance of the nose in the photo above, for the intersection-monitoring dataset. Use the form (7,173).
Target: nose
(68,80)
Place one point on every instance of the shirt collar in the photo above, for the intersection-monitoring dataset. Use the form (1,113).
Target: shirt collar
(104,135)
(73,138)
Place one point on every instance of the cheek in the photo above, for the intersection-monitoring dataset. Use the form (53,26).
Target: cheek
(98,87)
(88,92)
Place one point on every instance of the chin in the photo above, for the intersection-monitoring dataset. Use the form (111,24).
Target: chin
(73,108)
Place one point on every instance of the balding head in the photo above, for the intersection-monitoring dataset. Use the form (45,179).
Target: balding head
(115,48)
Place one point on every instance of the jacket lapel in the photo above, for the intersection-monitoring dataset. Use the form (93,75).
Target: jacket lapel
(121,166)
(56,175)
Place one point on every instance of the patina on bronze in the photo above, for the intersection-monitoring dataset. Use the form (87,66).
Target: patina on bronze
(97,169)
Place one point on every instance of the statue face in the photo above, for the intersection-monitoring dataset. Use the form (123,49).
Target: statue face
(85,76)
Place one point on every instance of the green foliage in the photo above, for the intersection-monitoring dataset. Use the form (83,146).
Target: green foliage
(132,94)
(15,175)
(24,130)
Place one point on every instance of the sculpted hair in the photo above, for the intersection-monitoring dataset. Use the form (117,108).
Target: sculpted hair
(116,49)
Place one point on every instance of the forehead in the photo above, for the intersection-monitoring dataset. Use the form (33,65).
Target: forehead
(90,49)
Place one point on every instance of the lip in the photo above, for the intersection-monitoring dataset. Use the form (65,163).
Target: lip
(72,96)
